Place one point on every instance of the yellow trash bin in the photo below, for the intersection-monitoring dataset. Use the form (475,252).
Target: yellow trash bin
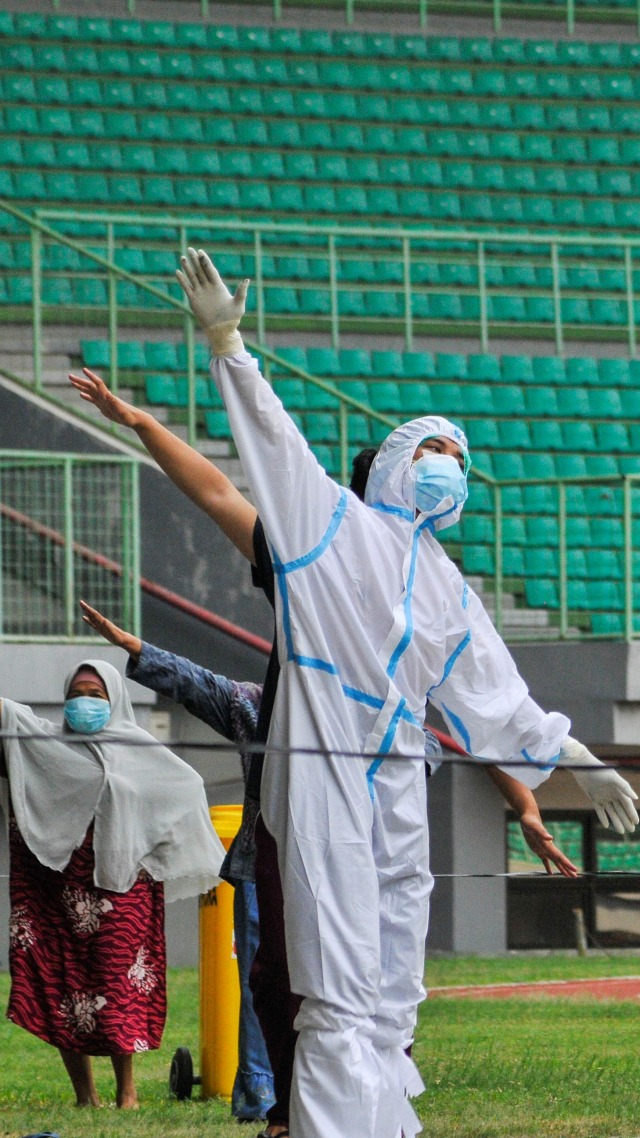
(219,982)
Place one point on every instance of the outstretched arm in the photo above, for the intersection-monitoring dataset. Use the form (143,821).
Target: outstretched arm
(191,472)
(296,500)
(537,837)
(230,708)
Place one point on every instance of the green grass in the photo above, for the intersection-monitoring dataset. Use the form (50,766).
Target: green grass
(528,967)
(493,1068)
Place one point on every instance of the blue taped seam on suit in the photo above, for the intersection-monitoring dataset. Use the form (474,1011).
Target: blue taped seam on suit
(396,510)
(459,726)
(390,733)
(314,554)
(539,762)
(464,643)
(370,776)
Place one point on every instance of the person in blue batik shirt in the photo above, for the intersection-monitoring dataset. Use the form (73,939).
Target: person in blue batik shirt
(232,710)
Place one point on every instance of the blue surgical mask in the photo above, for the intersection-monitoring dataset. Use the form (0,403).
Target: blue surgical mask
(438,476)
(86,714)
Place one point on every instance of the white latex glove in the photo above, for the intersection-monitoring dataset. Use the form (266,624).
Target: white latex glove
(216,310)
(612,796)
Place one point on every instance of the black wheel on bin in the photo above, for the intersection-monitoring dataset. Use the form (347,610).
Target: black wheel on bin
(181,1078)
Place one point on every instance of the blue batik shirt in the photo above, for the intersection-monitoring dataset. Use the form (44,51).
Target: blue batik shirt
(229,707)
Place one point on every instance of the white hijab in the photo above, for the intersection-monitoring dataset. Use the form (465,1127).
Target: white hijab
(149,808)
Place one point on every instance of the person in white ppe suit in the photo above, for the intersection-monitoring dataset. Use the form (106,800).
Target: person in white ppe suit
(373,620)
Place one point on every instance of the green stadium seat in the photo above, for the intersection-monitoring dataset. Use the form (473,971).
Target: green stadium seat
(506,309)
(354,361)
(540,561)
(514,434)
(28,24)
(477,559)
(418,365)
(217,424)
(191,35)
(570,465)
(483,433)
(61,187)
(578,436)
(604,403)
(604,151)
(90,293)
(445,398)
(26,184)
(125,189)
(536,465)
(581,370)
(603,565)
(575,310)
(19,56)
(161,389)
(475,399)
(384,396)
(542,532)
(577,595)
(95,353)
(483,367)
(604,594)
(612,437)
(630,403)
(386,363)
(607,532)
(415,398)
(321,427)
(569,149)
(451,365)
(607,624)
(546,435)
(292,393)
(159,191)
(12,152)
(541,401)
(513,534)
(172,160)
(109,156)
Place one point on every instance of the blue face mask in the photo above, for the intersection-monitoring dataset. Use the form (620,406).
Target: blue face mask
(86,714)
(438,476)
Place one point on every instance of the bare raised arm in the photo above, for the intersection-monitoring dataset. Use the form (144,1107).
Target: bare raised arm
(191,472)
(126,640)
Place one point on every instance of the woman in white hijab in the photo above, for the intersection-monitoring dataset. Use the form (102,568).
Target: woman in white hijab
(103,824)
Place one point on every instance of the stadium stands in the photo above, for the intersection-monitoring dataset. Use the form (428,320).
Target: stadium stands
(520,138)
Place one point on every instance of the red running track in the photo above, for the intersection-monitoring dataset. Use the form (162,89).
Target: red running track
(607,988)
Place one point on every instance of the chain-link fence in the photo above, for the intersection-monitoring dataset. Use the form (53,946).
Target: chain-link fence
(69,528)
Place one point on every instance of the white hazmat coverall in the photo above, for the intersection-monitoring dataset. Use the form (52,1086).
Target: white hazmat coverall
(371,615)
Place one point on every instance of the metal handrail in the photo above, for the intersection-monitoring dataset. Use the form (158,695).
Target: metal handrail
(498,10)
(410,241)
(65,538)
(347,403)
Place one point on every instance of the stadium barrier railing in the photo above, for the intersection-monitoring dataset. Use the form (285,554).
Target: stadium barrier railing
(69,527)
(565,616)
(569,11)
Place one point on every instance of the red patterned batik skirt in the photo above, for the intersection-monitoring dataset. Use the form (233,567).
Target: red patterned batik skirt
(88,966)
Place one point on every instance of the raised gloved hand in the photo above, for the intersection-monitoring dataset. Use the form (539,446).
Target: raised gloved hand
(612,796)
(216,310)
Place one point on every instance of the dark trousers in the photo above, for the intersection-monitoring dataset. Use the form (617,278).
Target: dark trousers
(275,1004)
